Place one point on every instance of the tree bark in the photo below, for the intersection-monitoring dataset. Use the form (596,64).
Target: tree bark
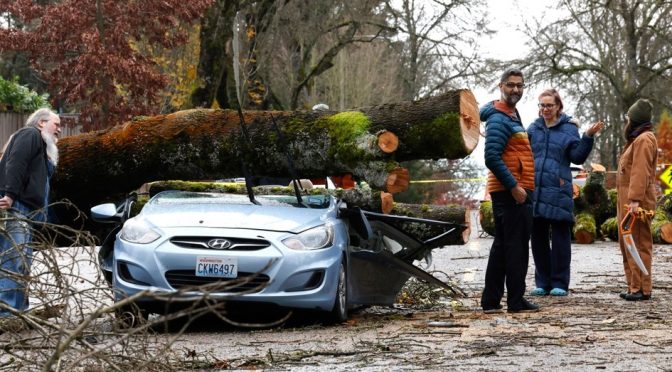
(207,144)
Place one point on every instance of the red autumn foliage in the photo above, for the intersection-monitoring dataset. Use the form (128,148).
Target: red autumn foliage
(664,137)
(84,50)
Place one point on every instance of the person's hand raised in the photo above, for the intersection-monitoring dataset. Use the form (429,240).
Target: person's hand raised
(596,127)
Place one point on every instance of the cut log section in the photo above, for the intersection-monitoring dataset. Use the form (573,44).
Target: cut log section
(207,144)
(398,180)
(595,167)
(609,229)
(487,219)
(591,208)
(388,142)
(585,228)
(386,202)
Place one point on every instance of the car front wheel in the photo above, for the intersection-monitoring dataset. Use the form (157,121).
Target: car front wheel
(339,313)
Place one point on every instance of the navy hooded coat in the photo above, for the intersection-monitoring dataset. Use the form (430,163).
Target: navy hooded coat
(554,149)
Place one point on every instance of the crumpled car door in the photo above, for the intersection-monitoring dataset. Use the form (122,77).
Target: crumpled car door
(382,250)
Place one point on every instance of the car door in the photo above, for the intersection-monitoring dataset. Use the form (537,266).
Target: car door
(382,250)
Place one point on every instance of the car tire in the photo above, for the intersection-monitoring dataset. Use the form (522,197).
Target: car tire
(339,312)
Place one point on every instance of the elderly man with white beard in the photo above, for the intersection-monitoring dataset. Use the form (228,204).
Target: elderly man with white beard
(27,164)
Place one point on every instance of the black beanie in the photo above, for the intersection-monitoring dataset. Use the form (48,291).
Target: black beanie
(640,112)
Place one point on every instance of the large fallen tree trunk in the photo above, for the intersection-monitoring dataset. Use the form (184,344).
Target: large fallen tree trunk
(207,144)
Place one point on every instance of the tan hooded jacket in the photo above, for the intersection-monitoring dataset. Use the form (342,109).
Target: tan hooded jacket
(636,178)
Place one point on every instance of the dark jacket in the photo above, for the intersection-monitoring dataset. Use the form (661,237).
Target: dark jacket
(23,168)
(554,149)
(507,150)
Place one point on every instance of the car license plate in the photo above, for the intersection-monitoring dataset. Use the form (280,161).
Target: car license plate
(217,267)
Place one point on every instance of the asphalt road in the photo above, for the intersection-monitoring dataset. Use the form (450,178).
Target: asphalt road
(591,329)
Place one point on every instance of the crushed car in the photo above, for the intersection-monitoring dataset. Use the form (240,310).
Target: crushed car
(294,251)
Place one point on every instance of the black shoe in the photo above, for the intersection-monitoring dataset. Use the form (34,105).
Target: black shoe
(528,307)
(623,294)
(637,296)
(493,309)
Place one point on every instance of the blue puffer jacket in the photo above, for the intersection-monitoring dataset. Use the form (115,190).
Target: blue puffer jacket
(554,149)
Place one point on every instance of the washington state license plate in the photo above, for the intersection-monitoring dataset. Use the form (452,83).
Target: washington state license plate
(217,267)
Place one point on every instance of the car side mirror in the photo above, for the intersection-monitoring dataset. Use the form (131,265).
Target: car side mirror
(105,213)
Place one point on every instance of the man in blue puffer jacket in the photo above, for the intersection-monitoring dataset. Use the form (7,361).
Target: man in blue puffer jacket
(555,141)
(508,157)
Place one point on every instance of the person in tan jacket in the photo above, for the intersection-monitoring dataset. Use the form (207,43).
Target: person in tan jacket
(636,180)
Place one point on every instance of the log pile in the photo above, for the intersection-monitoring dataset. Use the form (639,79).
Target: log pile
(592,207)
(661,226)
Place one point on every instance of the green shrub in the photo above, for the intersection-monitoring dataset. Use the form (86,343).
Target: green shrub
(18,98)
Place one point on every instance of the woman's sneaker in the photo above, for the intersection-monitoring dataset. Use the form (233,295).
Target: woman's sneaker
(558,292)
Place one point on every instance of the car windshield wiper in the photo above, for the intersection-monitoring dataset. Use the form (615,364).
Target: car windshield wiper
(246,172)
(290,163)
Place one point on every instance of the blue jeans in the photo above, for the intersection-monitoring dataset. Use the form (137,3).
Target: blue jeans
(16,256)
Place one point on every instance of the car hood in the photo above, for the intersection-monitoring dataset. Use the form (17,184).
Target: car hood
(259,217)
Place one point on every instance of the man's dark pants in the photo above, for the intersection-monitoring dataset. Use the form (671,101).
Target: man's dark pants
(509,254)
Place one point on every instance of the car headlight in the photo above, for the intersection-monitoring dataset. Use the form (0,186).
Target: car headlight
(136,230)
(315,238)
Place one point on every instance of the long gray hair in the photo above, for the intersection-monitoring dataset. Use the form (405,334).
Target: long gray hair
(34,121)
(36,117)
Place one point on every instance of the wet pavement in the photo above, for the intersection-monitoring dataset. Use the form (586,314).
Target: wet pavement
(591,329)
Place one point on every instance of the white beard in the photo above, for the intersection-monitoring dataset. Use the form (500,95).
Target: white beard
(52,149)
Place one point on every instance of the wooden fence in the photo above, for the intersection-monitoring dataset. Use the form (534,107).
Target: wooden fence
(10,122)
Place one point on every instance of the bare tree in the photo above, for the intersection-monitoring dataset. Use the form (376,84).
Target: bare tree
(606,54)
(306,38)
(363,75)
(439,43)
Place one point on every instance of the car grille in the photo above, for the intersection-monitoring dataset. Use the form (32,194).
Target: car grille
(246,282)
(237,244)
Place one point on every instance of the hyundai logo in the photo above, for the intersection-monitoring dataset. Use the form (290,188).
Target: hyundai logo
(219,243)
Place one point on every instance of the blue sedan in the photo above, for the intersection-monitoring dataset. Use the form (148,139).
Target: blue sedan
(312,253)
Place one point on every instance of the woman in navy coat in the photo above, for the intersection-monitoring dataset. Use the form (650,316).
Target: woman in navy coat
(556,143)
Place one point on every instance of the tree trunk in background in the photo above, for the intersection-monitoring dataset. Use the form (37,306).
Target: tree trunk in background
(215,61)
(207,144)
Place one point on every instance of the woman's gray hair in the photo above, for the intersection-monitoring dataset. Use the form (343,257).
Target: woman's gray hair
(36,117)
